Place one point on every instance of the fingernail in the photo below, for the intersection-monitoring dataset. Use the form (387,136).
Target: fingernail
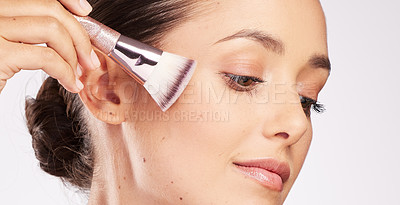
(79,70)
(95,59)
(86,6)
(79,84)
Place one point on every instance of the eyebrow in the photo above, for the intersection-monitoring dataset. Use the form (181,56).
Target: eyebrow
(277,46)
(269,42)
(320,61)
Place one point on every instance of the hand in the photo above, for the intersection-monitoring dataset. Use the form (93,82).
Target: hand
(27,22)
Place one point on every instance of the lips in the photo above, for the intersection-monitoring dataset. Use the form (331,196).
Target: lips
(269,172)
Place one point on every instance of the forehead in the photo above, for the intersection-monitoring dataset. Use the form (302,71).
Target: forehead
(299,24)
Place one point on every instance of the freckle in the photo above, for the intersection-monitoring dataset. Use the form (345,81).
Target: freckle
(181,198)
(144,160)
(172,182)
(14,19)
(163,138)
(124,178)
(119,187)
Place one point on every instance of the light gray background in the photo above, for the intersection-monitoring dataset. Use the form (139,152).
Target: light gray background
(354,157)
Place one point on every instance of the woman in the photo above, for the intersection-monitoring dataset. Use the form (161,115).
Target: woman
(238,134)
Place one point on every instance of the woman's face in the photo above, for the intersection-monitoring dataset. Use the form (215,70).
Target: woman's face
(191,153)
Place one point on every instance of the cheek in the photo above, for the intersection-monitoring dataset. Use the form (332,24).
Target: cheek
(193,145)
(188,149)
(298,151)
(201,132)
(208,117)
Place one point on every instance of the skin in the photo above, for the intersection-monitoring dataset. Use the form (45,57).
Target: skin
(170,159)
(174,158)
(45,21)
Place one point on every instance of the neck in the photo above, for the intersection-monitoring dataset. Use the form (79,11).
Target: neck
(113,178)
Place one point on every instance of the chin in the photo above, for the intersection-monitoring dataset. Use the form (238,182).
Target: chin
(246,191)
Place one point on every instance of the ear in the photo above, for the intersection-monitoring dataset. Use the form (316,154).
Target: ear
(101,94)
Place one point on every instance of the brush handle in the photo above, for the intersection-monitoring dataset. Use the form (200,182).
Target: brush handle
(136,58)
(102,37)
(134,49)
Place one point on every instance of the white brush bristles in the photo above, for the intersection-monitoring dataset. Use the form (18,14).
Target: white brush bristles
(169,78)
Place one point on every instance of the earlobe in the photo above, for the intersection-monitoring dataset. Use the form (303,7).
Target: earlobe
(100,95)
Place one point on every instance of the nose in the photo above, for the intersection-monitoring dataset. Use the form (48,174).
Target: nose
(284,118)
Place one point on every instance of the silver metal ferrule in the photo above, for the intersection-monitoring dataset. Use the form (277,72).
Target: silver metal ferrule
(136,58)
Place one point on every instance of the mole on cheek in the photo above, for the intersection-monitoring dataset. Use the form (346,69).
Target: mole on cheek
(144,160)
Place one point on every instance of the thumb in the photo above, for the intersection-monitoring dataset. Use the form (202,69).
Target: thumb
(77,7)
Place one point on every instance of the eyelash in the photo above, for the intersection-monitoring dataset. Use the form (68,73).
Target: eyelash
(233,82)
(308,104)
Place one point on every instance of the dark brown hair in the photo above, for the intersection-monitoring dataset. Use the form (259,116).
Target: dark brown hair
(55,119)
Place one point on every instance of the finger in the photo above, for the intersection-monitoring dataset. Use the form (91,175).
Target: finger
(37,30)
(17,56)
(54,9)
(78,7)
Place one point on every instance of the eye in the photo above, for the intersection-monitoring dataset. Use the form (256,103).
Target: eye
(241,83)
(308,104)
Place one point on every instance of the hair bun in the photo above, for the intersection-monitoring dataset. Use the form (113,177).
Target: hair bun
(53,120)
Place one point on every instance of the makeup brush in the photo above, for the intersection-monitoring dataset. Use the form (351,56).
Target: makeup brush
(164,75)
